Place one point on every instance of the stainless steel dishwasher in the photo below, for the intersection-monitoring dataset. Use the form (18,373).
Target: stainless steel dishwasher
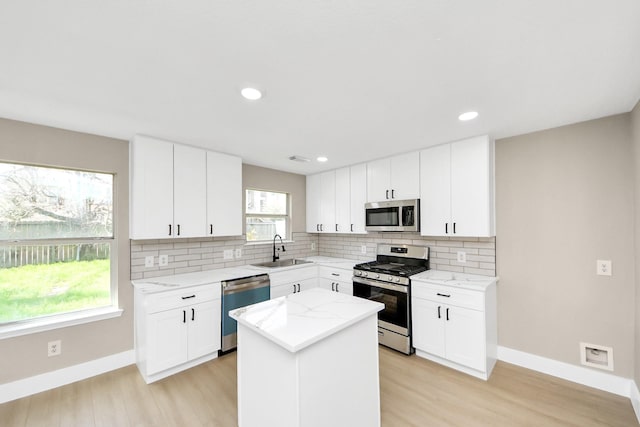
(238,293)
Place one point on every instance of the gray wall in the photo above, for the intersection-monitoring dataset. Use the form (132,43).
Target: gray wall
(26,356)
(635,131)
(565,198)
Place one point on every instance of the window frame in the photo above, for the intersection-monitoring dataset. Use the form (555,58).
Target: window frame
(287,217)
(74,317)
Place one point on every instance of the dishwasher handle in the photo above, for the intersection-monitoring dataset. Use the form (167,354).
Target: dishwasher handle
(245,284)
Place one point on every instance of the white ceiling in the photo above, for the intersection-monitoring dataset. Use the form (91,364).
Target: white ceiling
(352,79)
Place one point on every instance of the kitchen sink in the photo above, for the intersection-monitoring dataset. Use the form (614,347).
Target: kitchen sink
(282,263)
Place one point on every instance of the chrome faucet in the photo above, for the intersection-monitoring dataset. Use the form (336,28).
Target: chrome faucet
(277,256)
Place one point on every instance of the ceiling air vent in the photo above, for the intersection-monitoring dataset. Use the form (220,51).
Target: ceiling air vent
(299,159)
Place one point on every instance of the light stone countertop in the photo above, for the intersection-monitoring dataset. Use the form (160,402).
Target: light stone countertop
(299,320)
(460,280)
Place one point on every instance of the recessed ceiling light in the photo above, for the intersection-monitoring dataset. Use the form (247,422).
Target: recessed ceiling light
(251,93)
(469,115)
(322,159)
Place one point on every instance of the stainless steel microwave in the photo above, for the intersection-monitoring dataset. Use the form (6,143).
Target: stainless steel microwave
(393,215)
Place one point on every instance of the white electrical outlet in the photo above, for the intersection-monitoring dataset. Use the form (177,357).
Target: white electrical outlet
(148,261)
(313,246)
(238,253)
(163,260)
(363,249)
(228,254)
(54,348)
(604,267)
(461,256)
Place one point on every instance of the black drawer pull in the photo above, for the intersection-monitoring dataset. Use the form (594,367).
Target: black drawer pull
(190,296)
(447,313)
(443,295)
(335,274)
(184,316)
(439,317)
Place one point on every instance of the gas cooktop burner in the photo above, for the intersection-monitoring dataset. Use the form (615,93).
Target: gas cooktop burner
(397,269)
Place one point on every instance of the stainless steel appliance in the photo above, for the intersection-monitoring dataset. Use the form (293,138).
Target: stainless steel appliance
(393,215)
(238,293)
(388,280)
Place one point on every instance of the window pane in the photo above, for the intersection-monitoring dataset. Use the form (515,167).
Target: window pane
(47,203)
(42,280)
(266,202)
(265,228)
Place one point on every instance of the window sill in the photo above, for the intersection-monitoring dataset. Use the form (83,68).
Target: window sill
(270,243)
(61,321)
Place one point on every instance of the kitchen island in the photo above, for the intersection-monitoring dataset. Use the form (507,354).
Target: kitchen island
(292,365)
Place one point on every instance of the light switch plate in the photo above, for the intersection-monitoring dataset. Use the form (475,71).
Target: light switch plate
(604,267)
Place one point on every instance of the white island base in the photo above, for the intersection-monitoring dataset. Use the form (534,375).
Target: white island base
(309,360)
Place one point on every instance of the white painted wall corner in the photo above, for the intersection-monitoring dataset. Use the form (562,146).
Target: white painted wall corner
(635,399)
(50,380)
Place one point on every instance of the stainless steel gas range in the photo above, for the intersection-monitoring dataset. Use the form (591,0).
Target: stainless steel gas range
(388,280)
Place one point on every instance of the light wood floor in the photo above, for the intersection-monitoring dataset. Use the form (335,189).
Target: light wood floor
(414,392)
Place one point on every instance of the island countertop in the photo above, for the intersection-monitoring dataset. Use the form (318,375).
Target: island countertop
(299,320)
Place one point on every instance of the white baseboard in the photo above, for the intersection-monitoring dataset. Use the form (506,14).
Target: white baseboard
(577,374)
(47,381)
(635,399)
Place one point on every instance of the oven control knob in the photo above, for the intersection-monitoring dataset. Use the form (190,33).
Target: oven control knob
(397,279)
(365,274)
(357,273)
(377,276)
(390,278)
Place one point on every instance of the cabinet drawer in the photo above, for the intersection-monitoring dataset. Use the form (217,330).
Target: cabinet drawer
(293,275)
(336,274)
(179,298)
(448,295)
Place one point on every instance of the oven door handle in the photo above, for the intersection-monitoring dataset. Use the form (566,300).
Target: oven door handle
(383,285)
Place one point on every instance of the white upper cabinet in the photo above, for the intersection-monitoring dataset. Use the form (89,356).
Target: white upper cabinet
(358,184)
(394,178)
(456,186)
(335,200)
(224,195)
(169,194)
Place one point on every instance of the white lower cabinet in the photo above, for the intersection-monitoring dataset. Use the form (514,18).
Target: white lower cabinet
(292,281)
(335,279)
(176,330)
(455,327)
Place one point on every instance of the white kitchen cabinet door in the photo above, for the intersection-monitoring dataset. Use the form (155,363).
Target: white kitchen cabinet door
(472,187)
(328,202)
(314,195)
(358,182)
(151,191)
(428,326)
(466,338)
(224,195)
(405,176)
(189,191)
(343,200)
(394,178)
(435,191)
(378,180)
(204,322)
(166,340)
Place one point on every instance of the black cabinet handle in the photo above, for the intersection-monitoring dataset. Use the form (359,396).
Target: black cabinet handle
(335,274)
(446,228)
(294,288)
(393,196)
(169,229)
(337,289)
(387,194)
(190,296)
(321,227)
(447,313)
(443,295)
(336,227)
(332,286)
(298,287)
(352,228)
(178,229)
(210,228)
(454,228)
(184,316)
(193,314)
(439,317)
(317,227)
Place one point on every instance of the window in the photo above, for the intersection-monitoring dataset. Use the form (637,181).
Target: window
(267,213)
(56,241)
